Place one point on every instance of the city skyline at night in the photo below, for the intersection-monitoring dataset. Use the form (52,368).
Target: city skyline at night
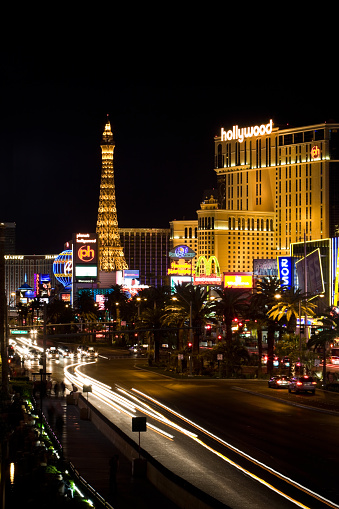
(50,152)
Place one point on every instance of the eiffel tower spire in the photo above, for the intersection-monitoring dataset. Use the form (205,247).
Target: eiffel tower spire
(111,255)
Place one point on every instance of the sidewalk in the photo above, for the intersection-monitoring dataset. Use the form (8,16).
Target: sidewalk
(90,452)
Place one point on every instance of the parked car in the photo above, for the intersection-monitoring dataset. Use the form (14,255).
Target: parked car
(279,381)
(302,384)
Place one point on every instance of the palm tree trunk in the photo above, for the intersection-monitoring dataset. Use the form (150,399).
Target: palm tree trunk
(259,335)
(324,365)
(156,337)
(270,348)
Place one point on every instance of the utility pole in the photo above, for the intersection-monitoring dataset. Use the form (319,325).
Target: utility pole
(3,313)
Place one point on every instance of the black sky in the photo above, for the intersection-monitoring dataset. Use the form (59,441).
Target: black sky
(164,116)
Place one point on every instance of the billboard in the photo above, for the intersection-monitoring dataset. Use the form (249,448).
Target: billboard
(85,257)
(265,267)
(238,280)
(314,280)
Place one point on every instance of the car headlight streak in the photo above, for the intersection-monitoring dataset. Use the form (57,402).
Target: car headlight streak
(128,404)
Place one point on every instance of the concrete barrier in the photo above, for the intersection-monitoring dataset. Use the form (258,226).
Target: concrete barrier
(181,492)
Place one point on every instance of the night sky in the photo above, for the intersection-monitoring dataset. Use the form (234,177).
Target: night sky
(53,115)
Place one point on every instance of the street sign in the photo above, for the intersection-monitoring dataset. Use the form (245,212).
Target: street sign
(139,424)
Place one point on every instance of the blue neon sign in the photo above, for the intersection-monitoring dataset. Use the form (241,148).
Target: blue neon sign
(285,270)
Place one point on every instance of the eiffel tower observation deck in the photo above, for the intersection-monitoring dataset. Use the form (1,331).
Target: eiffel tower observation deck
(111,255)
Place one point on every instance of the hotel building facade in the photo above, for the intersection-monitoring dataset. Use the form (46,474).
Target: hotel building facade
(275,187)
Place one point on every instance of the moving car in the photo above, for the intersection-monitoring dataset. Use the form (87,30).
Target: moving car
(52,353)
(302,384)
(87,352)
(279,381)
(90,352)
(65,352)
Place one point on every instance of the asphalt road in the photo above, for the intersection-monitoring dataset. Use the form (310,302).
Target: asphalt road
(273,427)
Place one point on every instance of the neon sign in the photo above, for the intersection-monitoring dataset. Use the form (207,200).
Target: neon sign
(285,270)
(86,253)
(315,152)
(239,134)
(204,265)
(180,269)
(205,273)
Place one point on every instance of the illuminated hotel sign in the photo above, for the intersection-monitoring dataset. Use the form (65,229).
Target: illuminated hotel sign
(180,269)
(240,134)
(85,257)
(238,280)
(183,252)
(285,270)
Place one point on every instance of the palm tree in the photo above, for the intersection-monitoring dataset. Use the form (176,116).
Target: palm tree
(291,304)
(194,301)
(156,297)
(151,319)
(329,330)
(58,312)
(116,301)
(175,315)
(230,304)
(266,291)
(86,307)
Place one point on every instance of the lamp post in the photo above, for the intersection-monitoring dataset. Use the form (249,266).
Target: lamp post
(190,330)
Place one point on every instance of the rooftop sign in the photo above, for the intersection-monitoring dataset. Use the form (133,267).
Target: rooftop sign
(240,134)
(182,251)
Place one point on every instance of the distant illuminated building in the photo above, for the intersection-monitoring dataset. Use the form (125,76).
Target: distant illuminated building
(274,186)
(111,255)
(290,175)
(146,249)
(19,268)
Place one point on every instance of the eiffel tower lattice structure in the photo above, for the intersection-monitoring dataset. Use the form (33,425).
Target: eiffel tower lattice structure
(111,255)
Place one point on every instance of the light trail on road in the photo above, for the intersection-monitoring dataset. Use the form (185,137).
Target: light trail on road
(123,400)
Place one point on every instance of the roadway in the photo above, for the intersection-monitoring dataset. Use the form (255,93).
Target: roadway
(252,445)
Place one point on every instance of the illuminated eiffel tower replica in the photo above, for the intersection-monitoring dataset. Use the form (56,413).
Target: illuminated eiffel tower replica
(111,255)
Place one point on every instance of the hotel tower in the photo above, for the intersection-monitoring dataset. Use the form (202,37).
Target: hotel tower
(275,186)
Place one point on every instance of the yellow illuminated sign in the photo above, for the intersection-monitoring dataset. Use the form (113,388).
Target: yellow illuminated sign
(181,269)
(239,134)
(238,281)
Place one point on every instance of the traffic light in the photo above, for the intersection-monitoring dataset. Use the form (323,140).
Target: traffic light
(219,337)
(189,347)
